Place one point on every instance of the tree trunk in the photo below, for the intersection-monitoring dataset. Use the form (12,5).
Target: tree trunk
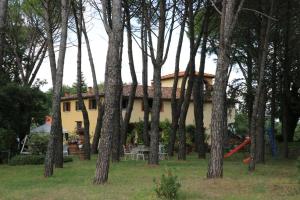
(100,106)
(131,98)
(112,91)
(174,105)
(154,134)
(3,13)
(199,95)
(286,84)
(56,128)
(82,107)
(144,45)
(260,132)
(264,40)
(228,22)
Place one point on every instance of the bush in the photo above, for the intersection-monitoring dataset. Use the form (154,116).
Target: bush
(167,187)
(32,160)
(165,128)
(37,144)
(27,160)
(7,139)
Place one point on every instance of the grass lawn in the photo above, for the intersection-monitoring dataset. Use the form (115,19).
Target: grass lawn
(277,179)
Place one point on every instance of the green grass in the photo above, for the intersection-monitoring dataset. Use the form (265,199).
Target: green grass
(277,179)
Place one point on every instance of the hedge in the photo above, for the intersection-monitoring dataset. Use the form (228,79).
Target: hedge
(32,160)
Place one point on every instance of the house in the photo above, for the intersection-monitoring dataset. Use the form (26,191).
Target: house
(72,116)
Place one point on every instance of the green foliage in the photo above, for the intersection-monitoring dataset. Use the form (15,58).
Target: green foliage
(32,160)
(20,105)
(167,187)
(7,139)
(241,124)
(37,144)
(27,160)
(165,127)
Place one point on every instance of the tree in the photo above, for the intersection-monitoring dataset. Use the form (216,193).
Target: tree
(198,91)
(3,11)
(78,16)
(158,60)
(124,126)
(56,137)
(112,19)
(229,18)
(100,106)
(258,110)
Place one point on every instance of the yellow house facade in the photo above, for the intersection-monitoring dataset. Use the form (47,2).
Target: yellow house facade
(72,116)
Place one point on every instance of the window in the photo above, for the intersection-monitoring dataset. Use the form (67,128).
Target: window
(77,107)
(78,125)
(150,103)
(67,106)
(124,103)
(92,104)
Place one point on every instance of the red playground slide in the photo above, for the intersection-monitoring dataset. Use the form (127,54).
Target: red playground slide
(236,149)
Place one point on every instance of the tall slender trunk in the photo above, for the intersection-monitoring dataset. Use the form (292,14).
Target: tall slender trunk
(188,94)
(3,13)
(112,89)
(199,95)
(131,97)
(154,133)
(78,22)
(158,60)
(260,131)
(100,106)
(265,32)
(56,128)
(228,22)
(174,105)
(286,84)
(144,46)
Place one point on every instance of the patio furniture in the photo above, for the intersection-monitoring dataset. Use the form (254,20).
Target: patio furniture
(142,152)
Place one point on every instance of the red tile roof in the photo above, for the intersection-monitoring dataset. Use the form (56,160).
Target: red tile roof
(181,74)
(165,91)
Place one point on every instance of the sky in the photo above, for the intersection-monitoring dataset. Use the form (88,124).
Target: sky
(99,42)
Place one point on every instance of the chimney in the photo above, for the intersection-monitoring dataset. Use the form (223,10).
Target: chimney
(67,94)
(90,90)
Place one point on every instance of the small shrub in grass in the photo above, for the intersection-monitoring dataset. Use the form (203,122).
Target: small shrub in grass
(167,187)
(32,160)
(27,160)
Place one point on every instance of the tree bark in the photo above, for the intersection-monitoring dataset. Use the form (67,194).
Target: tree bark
(228,22)
(199,95)
(131,97)
(3,13)
(154,133)
(188,94)
(56,128)
(260,132)
(78,15)
(112,88)
(264,40)
(100,106)
(158,62)
(286,84)
(144,46)
(174,102)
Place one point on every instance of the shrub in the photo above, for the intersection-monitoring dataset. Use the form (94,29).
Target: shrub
(165,127)
(7,139)
(27,160)
(37,143)
(167,187)
(32,160)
